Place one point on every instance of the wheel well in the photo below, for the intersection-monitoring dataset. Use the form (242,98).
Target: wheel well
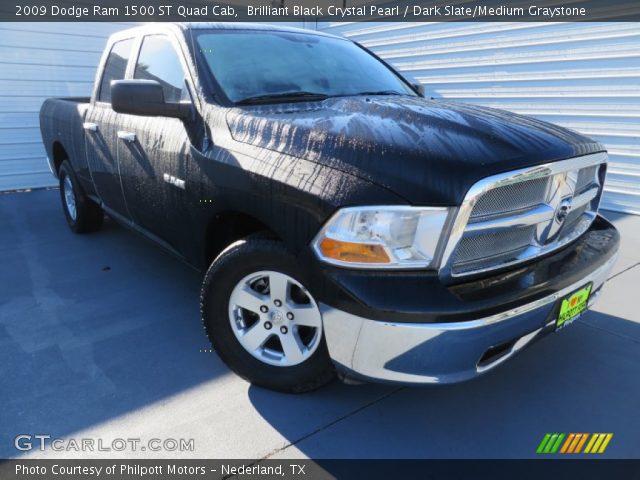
(59,155)
(228,227)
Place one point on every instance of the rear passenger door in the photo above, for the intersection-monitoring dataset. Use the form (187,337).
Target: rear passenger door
(100,126)
(154,151)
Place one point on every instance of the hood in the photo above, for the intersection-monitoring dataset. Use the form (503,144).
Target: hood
(428,151)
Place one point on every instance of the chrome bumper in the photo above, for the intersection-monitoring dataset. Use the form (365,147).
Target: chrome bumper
(415,353)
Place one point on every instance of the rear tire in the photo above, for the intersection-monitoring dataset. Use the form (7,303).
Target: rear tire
(83,214)
(262,321)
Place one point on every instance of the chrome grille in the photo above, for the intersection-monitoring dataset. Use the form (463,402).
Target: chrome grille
(516,196)
(510,218)
(586,177)
(480,251)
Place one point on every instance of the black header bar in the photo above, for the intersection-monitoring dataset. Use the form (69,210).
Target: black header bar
(320,11)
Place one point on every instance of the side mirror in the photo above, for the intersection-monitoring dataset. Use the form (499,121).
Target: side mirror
(145,97)
(419,88)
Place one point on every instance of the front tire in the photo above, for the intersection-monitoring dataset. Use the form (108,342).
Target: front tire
(83,214)
(262,321)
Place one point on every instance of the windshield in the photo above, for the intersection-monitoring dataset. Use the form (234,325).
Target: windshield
(259,64)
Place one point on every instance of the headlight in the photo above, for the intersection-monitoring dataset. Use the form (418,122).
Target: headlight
(382,237)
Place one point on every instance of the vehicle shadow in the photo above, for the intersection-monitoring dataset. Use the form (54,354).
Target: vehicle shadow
(91,326)
(581,379)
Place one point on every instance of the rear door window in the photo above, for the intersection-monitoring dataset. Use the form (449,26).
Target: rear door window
(115,67)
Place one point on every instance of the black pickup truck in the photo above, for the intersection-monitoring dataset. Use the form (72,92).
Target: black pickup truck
(347,225)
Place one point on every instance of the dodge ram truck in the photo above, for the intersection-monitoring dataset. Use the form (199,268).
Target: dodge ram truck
(348,225)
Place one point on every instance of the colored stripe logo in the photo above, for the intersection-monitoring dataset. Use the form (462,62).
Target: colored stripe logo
(574,443)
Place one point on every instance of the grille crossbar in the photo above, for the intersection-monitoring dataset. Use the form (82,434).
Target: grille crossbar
(534,215)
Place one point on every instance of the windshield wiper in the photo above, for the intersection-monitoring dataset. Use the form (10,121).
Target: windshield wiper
(380,92)
(290,96)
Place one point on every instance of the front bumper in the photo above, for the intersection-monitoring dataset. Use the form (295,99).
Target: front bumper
(451,351)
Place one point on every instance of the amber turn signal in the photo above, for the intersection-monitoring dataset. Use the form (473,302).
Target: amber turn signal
(353,252)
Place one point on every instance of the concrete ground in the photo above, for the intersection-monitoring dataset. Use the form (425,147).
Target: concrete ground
(100,337)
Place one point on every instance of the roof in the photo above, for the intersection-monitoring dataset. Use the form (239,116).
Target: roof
(186,26)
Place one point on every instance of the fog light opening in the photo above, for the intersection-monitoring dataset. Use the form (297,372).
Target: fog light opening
(495,353)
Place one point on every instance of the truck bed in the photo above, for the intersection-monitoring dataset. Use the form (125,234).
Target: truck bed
(61,122)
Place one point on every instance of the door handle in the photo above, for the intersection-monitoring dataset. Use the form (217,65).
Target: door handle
(127,136)
(92,127)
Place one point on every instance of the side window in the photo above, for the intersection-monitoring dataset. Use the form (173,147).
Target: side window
(115,67)
(159,61)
